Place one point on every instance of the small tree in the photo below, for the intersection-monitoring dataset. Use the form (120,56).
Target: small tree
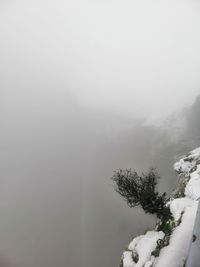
(140,190)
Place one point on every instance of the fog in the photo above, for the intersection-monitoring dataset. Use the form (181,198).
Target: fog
(137,57)
(87,88)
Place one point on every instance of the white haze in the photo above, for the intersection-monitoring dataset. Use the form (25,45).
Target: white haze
(133,57)
(75,78)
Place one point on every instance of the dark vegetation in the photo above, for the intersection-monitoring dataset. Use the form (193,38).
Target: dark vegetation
(140,190)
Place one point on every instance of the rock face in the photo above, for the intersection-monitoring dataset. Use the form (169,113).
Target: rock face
(168,244)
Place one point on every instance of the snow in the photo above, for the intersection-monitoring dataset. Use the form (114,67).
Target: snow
(148,264)
(143,246)
(186,164)
(178,205)
(127,259)
(175,254)
(192,189)
(183,166)
(195,153)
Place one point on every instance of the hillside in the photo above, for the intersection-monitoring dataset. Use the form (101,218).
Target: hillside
(168,244)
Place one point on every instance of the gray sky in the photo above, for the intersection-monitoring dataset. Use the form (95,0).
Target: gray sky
(132,57)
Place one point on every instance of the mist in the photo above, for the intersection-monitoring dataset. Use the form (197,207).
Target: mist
(88,88)
(136,58)
(58,205)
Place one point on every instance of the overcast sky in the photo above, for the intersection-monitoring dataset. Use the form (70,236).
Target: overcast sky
(132,57)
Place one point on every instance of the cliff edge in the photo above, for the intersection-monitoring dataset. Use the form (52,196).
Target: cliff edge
(168,244)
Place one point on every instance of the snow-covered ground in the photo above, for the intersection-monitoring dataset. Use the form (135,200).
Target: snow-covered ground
(143,246)
(139,253)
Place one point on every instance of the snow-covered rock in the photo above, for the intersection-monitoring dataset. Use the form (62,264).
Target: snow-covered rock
(179,205)
(192,189)
(175,254)
(142,246)
(128,259)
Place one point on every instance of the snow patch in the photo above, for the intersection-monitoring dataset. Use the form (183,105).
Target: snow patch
(178,205)
(175,254)
(143,245)
(192,189)
(127,259)
(183,166)
(186,164)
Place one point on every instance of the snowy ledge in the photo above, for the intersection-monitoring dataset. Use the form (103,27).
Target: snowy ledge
(159,249)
